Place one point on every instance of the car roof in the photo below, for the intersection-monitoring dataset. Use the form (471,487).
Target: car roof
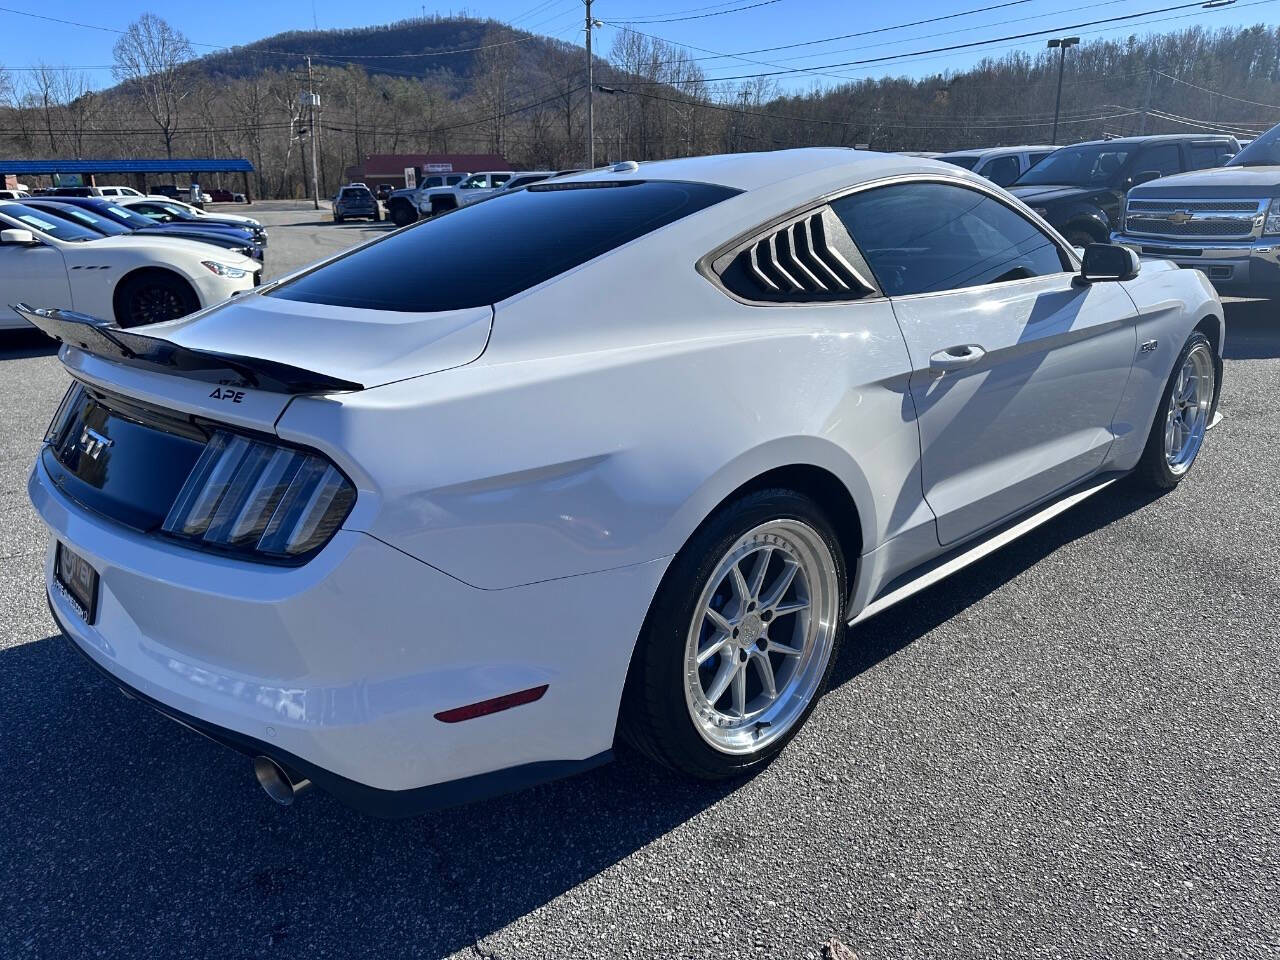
(1153,138)
(752,171)
(992,151)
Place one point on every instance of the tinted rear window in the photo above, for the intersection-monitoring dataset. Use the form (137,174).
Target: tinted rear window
(484,253)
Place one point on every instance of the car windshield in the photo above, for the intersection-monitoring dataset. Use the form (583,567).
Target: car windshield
(966,162)
(163,211)
(127,216)
(93,221)
(41,221)
(487,252)
(1088,165)
(1263,152)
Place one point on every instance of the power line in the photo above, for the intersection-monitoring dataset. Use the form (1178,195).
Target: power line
(718,13)
(676,13)
(716,55)
(867,33)
(951,47)
(286,53)
(1217,93)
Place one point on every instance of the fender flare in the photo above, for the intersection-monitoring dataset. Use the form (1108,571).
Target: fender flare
(779,453)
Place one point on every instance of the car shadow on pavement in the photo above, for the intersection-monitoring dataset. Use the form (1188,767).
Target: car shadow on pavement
(127,835)
(24,344)
(882,636)
(347,224)
(1253,330)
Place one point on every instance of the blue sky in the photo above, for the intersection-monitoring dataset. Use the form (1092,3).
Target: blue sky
(716,27)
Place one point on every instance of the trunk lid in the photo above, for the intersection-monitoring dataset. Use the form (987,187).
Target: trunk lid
(365,347)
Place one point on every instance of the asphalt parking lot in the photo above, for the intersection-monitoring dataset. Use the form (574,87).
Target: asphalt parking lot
(1068,750)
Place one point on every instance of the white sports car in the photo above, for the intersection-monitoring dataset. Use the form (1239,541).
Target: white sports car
(450,532)
(130,279)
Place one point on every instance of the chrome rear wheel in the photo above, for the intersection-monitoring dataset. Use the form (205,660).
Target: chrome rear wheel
(761,637)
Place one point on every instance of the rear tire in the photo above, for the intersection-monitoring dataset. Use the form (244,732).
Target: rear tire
(153,297)
(740,639)
(1186,409)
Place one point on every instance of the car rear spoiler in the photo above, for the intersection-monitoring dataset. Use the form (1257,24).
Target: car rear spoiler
(105,339)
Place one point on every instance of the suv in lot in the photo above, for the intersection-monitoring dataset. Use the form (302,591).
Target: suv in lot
(1079,189)
(355,200)
(1224,222)
(1000,165)
(113,190)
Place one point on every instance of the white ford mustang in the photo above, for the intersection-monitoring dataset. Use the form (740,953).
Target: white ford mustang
(447,532)
(131,279)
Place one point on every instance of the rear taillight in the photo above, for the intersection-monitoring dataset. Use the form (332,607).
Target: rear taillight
(255,497)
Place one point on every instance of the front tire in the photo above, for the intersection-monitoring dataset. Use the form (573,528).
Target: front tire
(401,215)
(1185,411)
(154,297)
(1078,237)
(740,639)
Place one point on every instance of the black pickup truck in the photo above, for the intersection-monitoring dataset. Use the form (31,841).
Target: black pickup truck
(1080,189)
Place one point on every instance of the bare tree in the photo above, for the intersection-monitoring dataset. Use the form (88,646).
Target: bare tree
(42,96)
(80,106)
(149,58)
(495,69)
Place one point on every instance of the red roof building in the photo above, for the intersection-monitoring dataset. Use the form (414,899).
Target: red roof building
(380,168)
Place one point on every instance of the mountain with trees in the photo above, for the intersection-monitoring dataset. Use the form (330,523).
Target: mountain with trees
(467,85)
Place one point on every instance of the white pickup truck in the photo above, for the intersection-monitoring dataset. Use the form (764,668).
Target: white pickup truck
(406,206)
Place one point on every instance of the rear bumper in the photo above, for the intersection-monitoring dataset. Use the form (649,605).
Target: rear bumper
(1245,268)
(338,668)
(388,804)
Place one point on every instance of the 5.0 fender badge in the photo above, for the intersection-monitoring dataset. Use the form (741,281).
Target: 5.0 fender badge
(1148,346)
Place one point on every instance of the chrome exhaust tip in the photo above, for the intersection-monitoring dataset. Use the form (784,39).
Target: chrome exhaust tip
(276,782)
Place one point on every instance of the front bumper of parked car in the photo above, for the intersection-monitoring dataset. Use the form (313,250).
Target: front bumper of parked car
(1243,268)
(337,669)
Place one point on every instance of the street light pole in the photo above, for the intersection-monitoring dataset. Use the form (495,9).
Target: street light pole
(1061,43)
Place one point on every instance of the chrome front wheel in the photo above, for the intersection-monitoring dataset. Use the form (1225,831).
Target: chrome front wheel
(761,636)
(1189,408)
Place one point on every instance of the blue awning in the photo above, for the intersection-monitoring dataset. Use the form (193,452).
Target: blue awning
(156,165)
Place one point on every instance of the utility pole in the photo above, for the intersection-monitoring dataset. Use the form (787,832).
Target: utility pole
(1146,106)
(591,112)
(315,137)
(1061,43)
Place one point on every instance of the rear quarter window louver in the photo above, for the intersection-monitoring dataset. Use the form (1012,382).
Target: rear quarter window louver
(807,260)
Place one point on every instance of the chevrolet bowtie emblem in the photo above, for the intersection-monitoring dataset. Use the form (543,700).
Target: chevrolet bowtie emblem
(1179,217)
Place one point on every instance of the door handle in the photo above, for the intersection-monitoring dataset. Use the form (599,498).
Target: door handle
(954,358)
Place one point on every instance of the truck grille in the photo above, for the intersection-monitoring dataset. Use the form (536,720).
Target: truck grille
(1180,219)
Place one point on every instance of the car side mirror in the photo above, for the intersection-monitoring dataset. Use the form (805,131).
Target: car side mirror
(21,238)
(1145,176)
(1108,261)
